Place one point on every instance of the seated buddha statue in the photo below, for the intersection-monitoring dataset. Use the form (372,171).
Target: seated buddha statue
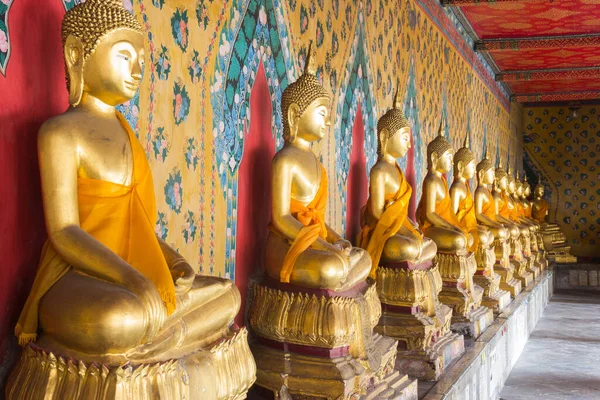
(107,289)
(462,199)
(434,212)
(315,299)
(456,263)
(502,204)
(486,214)
(485,207)
(554,239)
(464,207)
(402,259)
(301,248)
(387,232)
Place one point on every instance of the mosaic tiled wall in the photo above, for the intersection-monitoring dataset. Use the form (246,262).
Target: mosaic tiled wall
(563,146)
(192,111)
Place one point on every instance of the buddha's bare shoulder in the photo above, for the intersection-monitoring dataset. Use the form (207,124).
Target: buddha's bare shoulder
(65,127)
(290,155)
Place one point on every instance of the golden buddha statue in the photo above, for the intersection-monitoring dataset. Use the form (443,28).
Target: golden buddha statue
(407,282)
(486,214)
(456,263)
(112,305)
(314,312)
(514,214)
(553,238)
(523,207)
(464,208)
(504,209)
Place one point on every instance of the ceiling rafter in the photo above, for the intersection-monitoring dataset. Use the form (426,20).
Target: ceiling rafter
(548,42)
(547,74)
(482,2)
(552,97)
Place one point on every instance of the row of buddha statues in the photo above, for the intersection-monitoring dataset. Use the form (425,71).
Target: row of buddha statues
(117,313)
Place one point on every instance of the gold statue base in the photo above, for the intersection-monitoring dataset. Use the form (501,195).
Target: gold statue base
(320,343)
(554,243)
(485,277)
(413,315)
(530,259)
(505,269)
(226,371)
(462,295)
(519,262)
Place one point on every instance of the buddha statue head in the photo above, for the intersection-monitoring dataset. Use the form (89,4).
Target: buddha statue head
(518,186)
(464,161)
(510,183)
(501,178)
(393,131)
(104,52)
(439,153)
(485,170)
(538,190)
(526,188)
(305,105)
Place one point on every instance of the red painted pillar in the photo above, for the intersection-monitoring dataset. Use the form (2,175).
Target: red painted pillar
(357,185)
(254,190)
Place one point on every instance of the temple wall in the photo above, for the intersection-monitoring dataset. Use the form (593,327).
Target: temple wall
(193,114)
(565,151)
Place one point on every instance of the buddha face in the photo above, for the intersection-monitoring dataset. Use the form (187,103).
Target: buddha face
(519,190)
(527,191)
(539,191)
(445,162)
(398,145)
(314,123)
(503,183)
(511,186)
(469,171)
(489,176)
(113,71)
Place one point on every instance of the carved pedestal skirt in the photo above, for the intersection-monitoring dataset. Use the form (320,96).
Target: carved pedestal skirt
(412,314)
(320,344)
(485,277)
(519,263)
(225,371)
(505,269)
(459,292)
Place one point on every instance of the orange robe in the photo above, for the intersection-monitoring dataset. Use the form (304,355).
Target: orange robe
(376,233)
(541,212)
(489,209)
(312,217)
(443,208)
(505,210)
(120,217)
(467,219)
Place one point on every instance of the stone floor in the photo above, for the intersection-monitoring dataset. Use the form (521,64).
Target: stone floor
(561,359)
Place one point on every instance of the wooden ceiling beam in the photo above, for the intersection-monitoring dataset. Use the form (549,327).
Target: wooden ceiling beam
(547,42)
(552,97)
(481,2)
(547,74)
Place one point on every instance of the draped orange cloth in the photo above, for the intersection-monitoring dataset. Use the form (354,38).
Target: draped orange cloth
(504,210)
(489,209)
(541,211)
(312,217)
(467,219)
(375,233)
(515,212)
(120,217)
(443,208)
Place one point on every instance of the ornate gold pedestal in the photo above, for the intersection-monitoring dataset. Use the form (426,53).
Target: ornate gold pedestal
(505,269)
(229,364)
(459,292)
(519,263)
(320,344)
(412,314)
(554,243)
(530,259)
(485,277)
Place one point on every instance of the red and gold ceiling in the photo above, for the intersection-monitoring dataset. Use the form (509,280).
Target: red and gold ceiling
(542,50)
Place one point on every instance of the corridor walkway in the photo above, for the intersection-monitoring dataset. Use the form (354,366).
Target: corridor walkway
(561,359)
